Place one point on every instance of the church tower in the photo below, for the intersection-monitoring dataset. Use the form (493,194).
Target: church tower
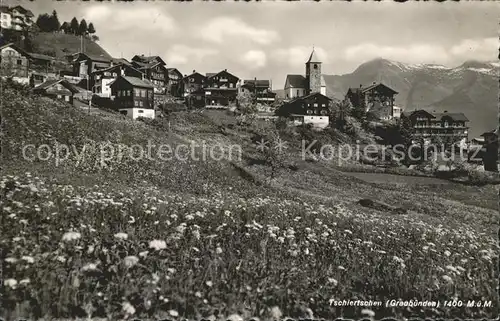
(313,74)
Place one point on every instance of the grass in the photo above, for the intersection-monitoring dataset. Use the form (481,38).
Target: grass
(60,44)
(186,239)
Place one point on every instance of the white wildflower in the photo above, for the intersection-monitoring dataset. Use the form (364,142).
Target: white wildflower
(157,245)
(28,259)
(128,308)
(130,261)
(121,236)
(11,260)
(89,267)
(71,236)
(12,283)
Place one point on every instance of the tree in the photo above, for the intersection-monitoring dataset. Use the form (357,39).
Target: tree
(55,25)
(74,26)
(246,103)
(65,27)
(91,28)
(82,29)
(44,23)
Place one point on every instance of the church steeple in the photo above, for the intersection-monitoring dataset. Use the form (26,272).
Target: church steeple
(313,57)
(313,73)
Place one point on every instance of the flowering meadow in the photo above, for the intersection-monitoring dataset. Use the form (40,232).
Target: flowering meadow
(80,252)
(175,240)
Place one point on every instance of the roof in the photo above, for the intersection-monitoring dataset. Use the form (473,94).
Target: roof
(15,47)
(51,82)
(194,74)
(315,94)
(257,83)
(114,67)
(313,57)
(149,61)
(4,9)
(121,61)
(93,57)
(375,85)
(210,74)
(454,116)
(134,81)
(296,81)
(23,11)
(494,132)
(40,56)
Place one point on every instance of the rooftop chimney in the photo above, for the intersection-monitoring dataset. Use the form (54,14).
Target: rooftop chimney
(194,71)
(374,82)
(445,111)
(225,69)
(360,86)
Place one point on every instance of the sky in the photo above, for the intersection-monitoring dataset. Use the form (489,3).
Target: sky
(270,39)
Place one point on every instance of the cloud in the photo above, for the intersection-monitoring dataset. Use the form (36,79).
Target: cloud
(182,54)
(121,18)
(254,59)
(218,29)
(298,55)
(477,49)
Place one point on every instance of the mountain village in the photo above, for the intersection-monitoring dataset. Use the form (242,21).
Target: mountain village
(146,86)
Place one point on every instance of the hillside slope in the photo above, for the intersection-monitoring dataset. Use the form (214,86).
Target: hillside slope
(471,88)
(61,44)
(156,238)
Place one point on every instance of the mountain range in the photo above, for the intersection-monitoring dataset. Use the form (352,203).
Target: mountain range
(471,88)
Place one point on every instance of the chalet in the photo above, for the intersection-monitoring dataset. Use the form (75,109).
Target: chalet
(41,63)
(21,18)
(175,83)
(5,17)
(220,89)
(311,109)
(37,78)
(377,98)
(133,96)
(428,125)
(154,70)
(102,78)
(313,82)
(193,83)
(14,63)
(57,88)
(84,64)
(261,89)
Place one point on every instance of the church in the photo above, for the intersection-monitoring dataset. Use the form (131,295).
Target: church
(313,82)
(306,102)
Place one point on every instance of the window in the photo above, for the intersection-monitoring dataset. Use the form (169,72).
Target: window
(231,85)
(136,92)
(297,92)
(309,111)
(315,105)
(19,62)
(129,92)
(141,104)
(141,111)
(143,93)
(136,103)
